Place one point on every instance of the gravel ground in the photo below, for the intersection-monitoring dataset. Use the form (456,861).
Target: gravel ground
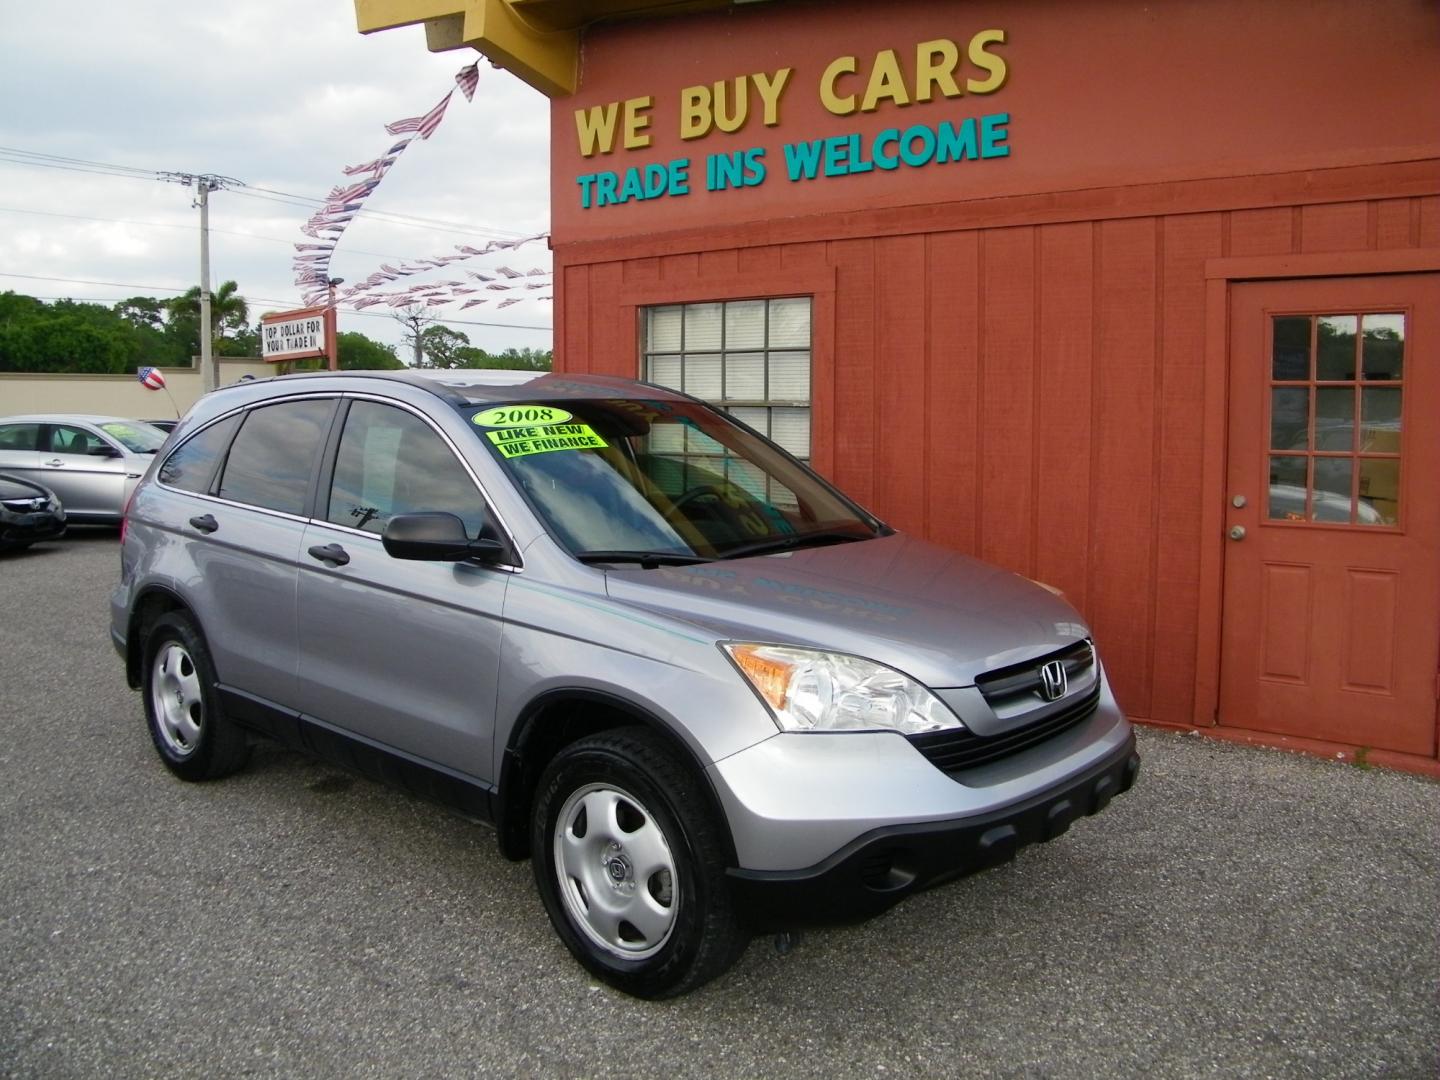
(1241,913)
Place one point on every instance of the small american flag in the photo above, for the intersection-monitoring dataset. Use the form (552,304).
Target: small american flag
(468,78)
(150,378)
(431,120)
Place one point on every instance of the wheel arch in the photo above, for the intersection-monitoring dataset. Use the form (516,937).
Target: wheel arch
(152,603)
(554,720)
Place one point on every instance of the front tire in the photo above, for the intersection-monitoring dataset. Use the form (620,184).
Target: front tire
(630,863)
(191,733)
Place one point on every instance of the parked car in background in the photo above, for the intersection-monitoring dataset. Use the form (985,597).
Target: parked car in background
(164,425)
(91,462)
(699,687)
(29,512)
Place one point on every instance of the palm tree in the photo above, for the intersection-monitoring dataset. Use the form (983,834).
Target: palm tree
(229,313)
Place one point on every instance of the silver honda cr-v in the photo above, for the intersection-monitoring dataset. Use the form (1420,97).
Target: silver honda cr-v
(704,691)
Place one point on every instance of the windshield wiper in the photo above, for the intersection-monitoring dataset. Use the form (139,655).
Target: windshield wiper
(794,540)
(646,559)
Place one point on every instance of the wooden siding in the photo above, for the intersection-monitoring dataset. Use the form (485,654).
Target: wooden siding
(1032,394)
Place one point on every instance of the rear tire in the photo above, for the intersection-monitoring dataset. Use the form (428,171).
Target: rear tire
(191,733)
(630,862)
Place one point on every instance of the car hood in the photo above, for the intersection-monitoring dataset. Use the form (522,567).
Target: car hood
(940,617)
(12,487)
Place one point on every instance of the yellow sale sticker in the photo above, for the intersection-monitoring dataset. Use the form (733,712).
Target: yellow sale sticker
(513,442)
(514,416)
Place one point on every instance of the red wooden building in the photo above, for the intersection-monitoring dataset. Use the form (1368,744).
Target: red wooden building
(1142,300)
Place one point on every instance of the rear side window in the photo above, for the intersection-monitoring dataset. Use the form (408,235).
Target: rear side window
(273,457)
(391,462)
(192,466)
(20,437)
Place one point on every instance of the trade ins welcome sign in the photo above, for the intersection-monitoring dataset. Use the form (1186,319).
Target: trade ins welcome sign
(942,69)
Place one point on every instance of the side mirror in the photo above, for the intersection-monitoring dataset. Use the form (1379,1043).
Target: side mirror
(103,451)
(435,537)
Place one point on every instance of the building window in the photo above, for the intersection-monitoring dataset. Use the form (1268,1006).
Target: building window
(749,357)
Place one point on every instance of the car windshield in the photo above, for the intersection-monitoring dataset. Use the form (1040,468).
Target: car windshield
(633,480)
(137,437)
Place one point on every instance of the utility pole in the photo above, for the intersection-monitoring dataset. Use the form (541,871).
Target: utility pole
(332,329)
(204,183)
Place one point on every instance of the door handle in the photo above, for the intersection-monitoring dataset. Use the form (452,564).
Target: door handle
(205,523)
(55,463)
(1237,532)
(330,553)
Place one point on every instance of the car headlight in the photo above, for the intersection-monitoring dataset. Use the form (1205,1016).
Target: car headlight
(809,690)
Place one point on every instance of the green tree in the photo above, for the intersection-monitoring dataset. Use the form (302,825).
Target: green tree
(356,352)
(442,347)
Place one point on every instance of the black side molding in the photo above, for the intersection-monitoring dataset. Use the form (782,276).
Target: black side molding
(310,736)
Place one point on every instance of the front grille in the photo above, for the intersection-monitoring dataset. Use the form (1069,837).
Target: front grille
(953,751)
(1016,690)
(26,505)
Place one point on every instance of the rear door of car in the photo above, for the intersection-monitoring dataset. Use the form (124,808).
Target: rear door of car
(239,493)
(85,469)
(402,653)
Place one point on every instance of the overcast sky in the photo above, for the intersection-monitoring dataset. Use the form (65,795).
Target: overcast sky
(281,95)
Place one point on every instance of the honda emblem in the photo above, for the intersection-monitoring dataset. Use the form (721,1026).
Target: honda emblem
(1053,680)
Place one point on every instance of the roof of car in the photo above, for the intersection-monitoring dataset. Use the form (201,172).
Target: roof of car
(483,385)
(68,418)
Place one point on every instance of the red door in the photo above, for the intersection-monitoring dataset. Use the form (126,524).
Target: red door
(1332,562)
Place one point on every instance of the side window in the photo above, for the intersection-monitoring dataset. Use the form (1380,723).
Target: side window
(20,437)
(391,462)
(74,440)
(192,466)
(273,457)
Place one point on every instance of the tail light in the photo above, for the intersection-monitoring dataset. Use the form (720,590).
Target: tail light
(125,514)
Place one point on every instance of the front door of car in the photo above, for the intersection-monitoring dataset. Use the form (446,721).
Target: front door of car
(20,451)
(85,470)
(402,653)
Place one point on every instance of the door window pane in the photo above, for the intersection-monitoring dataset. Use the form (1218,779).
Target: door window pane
(272,460)
(1290,418)
(1379,492)
(391,462)
(1287,488)
(192,465)
(1380,420)
(1330,498)
(1384,346)
(1334,418)
(1290,350)
(1335,347)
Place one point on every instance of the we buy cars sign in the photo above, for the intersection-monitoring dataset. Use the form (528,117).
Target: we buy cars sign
(295,335)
